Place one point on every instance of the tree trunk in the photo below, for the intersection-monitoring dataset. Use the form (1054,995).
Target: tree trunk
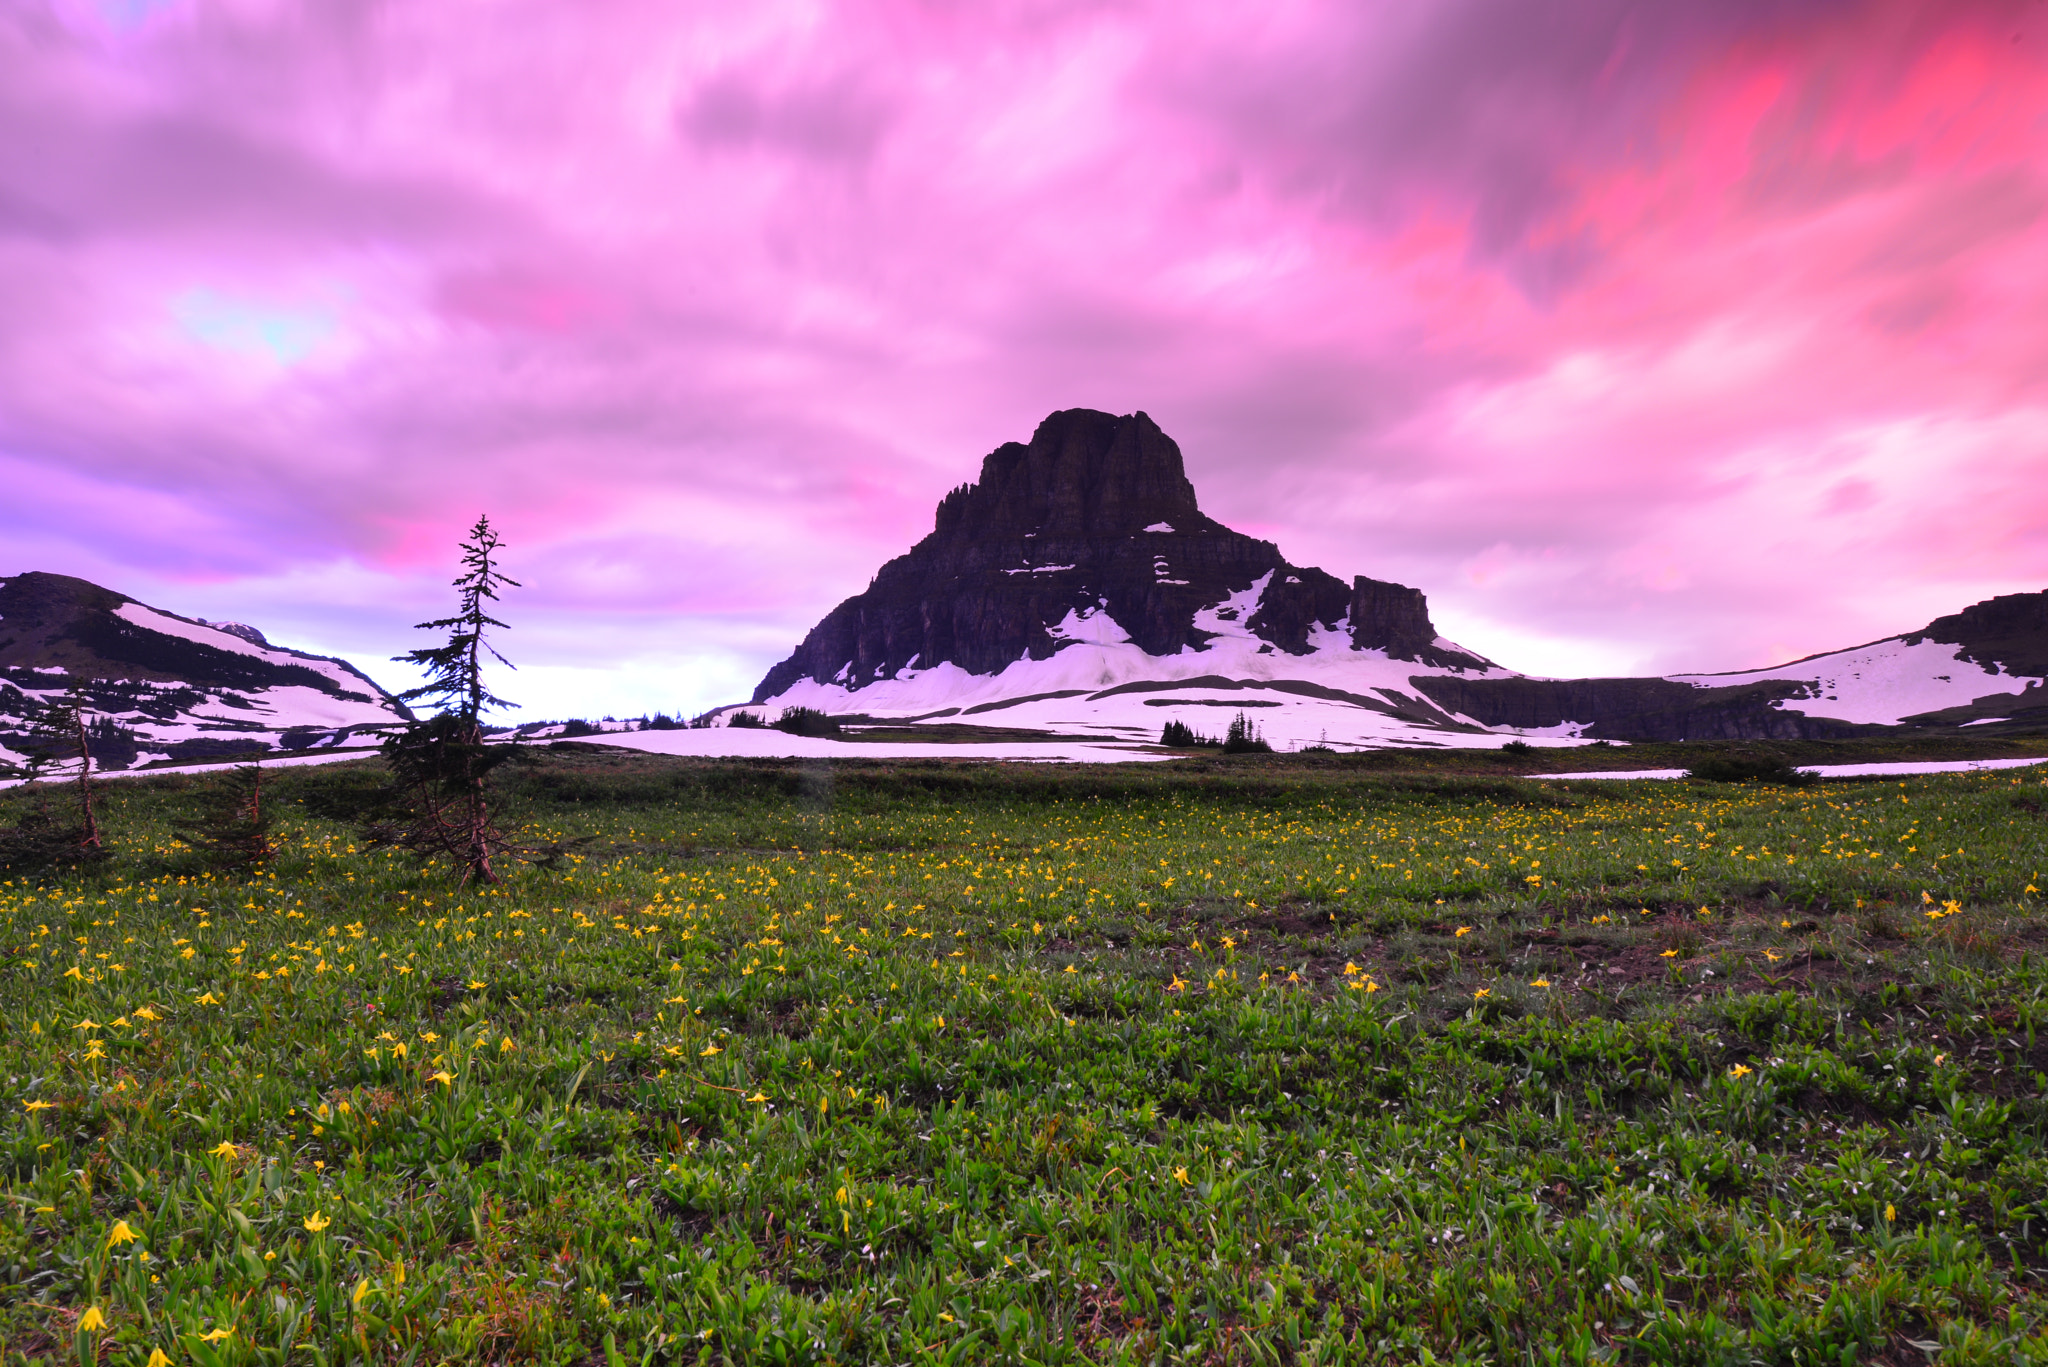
(89,825)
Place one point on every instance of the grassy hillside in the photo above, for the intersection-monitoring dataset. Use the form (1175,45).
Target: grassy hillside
(1279,1060)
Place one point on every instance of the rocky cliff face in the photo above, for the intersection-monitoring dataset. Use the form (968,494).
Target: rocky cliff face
(1095,515)
(2008,632)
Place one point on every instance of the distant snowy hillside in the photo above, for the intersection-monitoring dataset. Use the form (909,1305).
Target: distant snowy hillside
(158,686)
(1984,664)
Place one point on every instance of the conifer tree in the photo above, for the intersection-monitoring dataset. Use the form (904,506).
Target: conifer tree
(234,828)
(57,735)
(439,762)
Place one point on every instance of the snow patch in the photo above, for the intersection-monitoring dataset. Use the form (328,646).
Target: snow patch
(1090,626)
(1901,769)
(1228,617)
(1881,684)
(1160,527)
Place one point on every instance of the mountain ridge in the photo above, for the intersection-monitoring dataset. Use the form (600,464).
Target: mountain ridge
(168,687)
(1079,567)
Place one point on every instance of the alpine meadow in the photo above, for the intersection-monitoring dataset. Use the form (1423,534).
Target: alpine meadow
(1247,1059)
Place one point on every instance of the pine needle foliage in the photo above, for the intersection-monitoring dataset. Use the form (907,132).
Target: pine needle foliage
(234,827)
(806,721)
(1243,738)
(41,838)
(439,763)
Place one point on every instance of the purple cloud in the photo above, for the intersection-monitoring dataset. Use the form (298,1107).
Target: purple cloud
(1637,335)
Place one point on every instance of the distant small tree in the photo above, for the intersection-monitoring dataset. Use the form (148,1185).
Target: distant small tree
(234,827)
(804,721)
(438,763)
(1243,738)
(1740,767)
(57,735)
(1181,736)
(746,720)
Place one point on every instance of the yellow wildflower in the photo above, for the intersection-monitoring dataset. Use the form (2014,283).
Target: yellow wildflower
(92,1321)
(316,1222)
(1740,1070)
(121,1234)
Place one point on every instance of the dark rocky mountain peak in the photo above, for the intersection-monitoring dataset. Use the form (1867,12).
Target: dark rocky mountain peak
(241,629)
(1083,473)
(1094,515)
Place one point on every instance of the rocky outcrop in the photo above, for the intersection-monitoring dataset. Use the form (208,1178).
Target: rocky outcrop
(1094,515)
(2009,632)
(1632,709)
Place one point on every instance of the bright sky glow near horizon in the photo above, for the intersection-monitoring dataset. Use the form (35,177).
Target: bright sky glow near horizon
(1686,335)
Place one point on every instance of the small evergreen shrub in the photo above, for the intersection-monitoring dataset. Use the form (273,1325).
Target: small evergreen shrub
(1181,736)
(747,721)
(233,830)
(1518,747)
(1243,738)
(578,727)
(1748,769)
(806,721)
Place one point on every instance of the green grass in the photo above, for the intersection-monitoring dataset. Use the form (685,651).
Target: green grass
(1267,1061)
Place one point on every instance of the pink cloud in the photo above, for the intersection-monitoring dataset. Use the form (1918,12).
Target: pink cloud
(1660,336)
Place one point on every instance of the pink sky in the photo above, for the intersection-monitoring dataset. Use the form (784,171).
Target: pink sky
(1694,334)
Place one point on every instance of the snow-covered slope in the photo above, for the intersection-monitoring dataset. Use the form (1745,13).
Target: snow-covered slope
(1098,683)
(1884,683)
(159,687)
